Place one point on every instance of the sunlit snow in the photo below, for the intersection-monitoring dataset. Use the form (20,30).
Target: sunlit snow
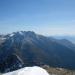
(11,35)
(29,71)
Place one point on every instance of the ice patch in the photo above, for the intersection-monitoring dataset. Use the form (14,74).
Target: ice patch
(11,35)
(21,33)
(2,38)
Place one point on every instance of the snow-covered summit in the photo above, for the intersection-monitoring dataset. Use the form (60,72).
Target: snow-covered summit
(29,71)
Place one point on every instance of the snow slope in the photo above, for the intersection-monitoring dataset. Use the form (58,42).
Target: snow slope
(29,71)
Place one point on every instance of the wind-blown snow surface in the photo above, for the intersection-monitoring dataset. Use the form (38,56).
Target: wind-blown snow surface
(29,71)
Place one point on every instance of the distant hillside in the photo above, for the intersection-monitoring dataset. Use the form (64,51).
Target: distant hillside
(70,38)
(58,71)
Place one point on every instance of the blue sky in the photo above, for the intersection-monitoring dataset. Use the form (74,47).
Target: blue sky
(47,17)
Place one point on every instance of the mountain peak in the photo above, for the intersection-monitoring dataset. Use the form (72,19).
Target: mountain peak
(24,32)
(34,49)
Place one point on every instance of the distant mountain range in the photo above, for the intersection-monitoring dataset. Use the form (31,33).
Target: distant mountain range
(21,49)
(68,37)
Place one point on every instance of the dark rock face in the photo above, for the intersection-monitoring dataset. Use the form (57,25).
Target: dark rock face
(27,49)
(11,63)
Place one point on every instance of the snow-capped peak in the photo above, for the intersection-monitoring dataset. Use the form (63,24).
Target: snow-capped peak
(29,71)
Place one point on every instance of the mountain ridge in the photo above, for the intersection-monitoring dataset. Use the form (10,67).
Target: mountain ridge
(34,49)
